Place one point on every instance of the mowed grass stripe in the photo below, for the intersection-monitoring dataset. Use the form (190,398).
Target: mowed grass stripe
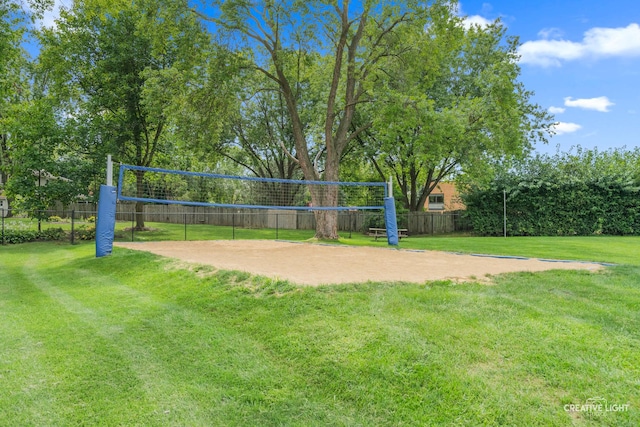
(26,399)
(84,372)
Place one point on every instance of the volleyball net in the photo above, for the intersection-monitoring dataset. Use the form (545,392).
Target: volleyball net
(166,186)
(154,185)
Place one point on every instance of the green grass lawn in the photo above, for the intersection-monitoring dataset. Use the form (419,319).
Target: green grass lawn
(135,339)
(623,250)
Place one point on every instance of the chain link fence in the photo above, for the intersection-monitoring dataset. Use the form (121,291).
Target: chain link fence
(187,222)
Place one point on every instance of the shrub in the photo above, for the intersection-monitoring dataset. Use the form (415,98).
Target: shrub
(589,193)
(52,234)
(373,220)
(86,232)
(15,236)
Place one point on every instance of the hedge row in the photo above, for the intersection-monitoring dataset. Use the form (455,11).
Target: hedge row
(584,209)
(24,236)
(13,236)
(586,193)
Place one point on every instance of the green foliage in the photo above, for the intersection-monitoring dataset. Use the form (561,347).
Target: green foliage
(373,220)
(118,71)
(86,232)
(572,194)
(18,235)
(451,102)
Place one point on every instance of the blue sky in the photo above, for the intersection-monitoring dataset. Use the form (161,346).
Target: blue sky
(580,57)
(582,60)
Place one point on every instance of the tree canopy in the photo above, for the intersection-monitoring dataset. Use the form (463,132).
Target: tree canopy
(120,67)
(321,90)
(350,39)
(454,101)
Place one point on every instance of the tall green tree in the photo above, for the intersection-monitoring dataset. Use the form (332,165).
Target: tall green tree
(120,67)
(352,38)
(44,171)
(13,82)
(260,137)
(453,102)
(16,74)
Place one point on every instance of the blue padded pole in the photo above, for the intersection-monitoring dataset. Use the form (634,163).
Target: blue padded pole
(106,222)
(391,223)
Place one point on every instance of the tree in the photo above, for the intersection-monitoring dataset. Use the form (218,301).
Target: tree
(453,103)
(260,136)
(351,38)
(16,74)
(13,84)
(120,67)
(43,171)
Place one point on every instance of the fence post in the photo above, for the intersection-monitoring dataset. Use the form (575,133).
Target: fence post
(233,226)
(73,215)
(432,221)
(504,202)
(184,218)
(2,215)
(276,226)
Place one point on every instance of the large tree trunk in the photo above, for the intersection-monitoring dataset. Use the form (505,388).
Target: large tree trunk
(326,220)
(326,225)
(327,196)
(139,205)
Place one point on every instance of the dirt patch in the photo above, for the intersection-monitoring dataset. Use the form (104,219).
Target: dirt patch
(315,264)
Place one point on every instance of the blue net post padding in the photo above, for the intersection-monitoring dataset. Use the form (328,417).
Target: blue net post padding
(391,223)
(106,221)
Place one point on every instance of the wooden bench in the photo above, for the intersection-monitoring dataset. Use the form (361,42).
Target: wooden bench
(382,232)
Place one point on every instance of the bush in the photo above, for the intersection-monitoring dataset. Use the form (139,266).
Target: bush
(589,193)
(373,220)
(13,236)
(52,234)
(86,232)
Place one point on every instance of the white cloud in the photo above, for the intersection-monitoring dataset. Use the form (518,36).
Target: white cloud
(601,103)
(550,33)
(562,128)
(597,43)
(469,21)
(478,20)
(557,110)
(49,17)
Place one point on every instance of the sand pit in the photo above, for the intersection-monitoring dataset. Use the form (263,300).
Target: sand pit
(315,264)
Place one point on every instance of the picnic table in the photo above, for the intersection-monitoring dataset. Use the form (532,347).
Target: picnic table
(382,232)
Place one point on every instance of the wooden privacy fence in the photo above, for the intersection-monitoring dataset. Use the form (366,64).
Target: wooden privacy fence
(356,221)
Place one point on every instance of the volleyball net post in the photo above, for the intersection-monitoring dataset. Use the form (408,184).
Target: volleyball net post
(390,218)
(106,220)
